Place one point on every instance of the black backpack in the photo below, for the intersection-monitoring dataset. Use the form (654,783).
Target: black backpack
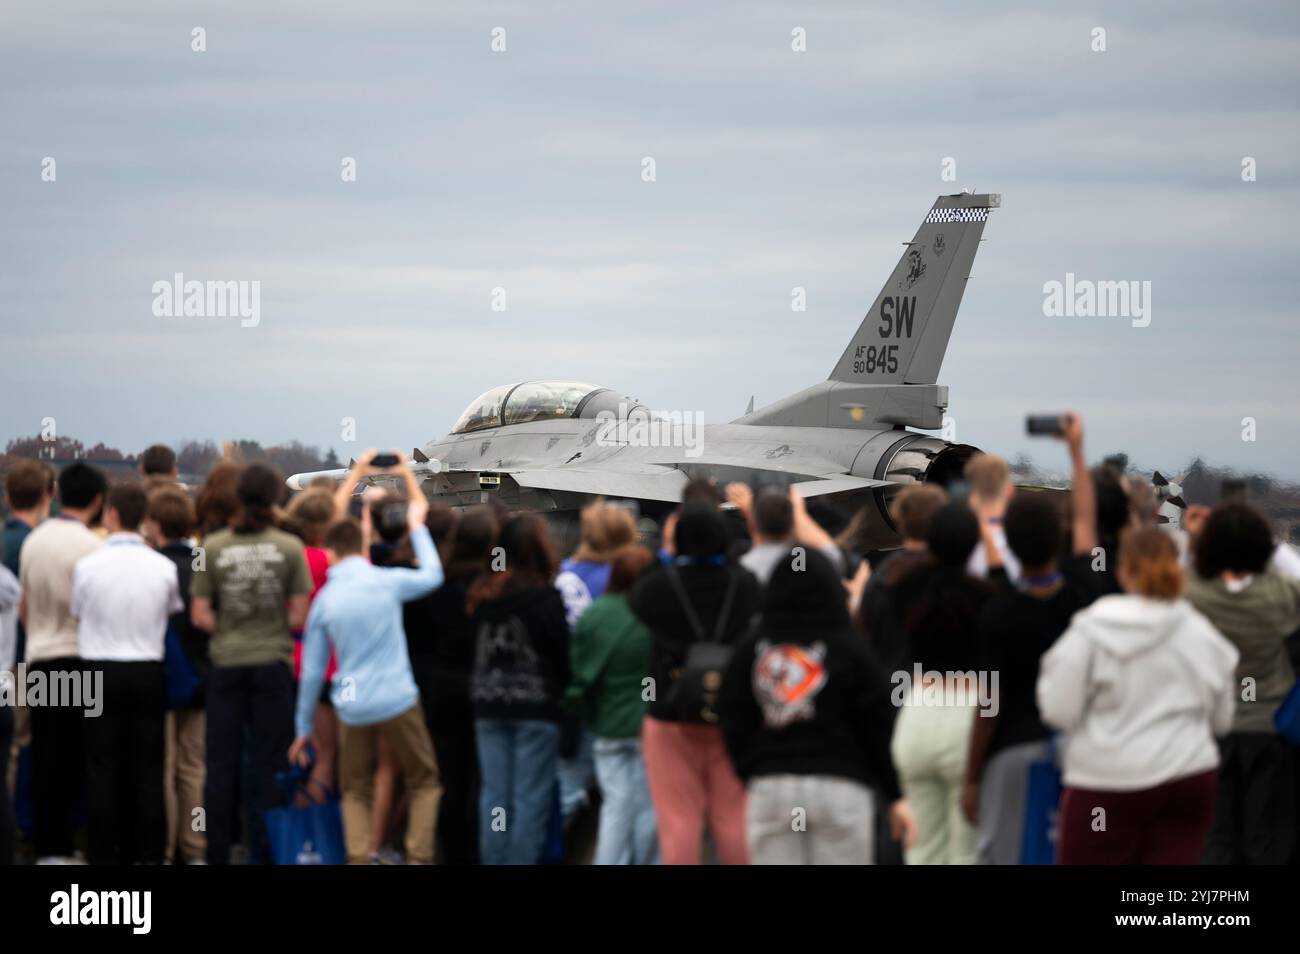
(694,691)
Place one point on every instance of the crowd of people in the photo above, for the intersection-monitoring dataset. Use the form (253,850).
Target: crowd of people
(1027,672)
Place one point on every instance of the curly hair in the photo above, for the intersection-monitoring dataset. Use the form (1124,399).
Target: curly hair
(1236,537)
(310,515)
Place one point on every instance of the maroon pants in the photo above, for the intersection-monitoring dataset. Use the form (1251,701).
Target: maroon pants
(1165,825)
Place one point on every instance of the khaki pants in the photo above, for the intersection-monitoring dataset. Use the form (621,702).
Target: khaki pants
(409,739)
(184,770)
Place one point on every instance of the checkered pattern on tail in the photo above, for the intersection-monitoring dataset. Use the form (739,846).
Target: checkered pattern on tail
(957,215)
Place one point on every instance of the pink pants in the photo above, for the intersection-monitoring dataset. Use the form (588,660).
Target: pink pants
(691,781)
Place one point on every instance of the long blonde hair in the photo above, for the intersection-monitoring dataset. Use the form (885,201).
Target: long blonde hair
(605,528)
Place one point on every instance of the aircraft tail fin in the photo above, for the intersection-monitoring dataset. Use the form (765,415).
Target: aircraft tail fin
(904,335)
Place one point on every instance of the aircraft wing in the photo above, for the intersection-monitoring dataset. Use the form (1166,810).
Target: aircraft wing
(837,483)
(663,483)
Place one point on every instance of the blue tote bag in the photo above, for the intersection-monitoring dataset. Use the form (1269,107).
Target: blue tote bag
(1287,717)
(1042,810)
(312,835)
(182,680)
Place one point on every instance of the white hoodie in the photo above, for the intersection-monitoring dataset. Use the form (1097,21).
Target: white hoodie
(1140,687)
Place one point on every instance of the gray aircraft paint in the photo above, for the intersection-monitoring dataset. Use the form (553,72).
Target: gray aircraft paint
(845,438)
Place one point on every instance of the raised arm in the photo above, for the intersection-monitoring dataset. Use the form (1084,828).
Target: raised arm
(411,584)
(414,492)
(742,498)
(360,470)
(428,575)
(808,531)
(1082,491)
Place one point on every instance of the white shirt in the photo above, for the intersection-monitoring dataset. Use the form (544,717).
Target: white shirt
(762,558)
(9,593)
(978,564)
(1286,561)
(49,555)
(122,595)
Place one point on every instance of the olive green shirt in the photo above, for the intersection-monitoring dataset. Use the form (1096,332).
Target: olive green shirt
(249,577)
(1257,620)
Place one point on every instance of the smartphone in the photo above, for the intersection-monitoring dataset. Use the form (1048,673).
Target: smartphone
(1037,425)
(384,460)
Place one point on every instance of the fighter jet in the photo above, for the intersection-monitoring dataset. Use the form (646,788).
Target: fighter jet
(550,446)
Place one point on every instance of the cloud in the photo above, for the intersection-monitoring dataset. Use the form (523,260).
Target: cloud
(522,170)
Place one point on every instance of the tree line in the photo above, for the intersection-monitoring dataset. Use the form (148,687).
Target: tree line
(194,457)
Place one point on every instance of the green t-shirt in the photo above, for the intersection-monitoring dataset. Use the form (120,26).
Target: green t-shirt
(609,657)
(249,577)
(1257,620)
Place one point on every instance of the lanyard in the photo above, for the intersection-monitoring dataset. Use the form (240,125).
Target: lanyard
(1046,579)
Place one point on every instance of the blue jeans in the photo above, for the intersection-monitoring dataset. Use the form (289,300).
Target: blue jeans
(517,759)
(576,775)
(627,834)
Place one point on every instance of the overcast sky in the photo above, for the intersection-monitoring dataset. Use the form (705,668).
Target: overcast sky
(523,170)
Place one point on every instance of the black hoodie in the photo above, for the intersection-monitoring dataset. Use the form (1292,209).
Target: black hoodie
(521,656)
(803,695)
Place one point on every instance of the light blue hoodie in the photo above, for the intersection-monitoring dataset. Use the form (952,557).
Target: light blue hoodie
(358,613)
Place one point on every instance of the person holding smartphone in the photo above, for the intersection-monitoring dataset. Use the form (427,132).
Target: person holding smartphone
(358,614)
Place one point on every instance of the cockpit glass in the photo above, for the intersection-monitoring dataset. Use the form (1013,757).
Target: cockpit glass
(545,401)
(521,403)
(484,412)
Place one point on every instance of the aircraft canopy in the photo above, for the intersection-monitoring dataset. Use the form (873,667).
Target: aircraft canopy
(521,403)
